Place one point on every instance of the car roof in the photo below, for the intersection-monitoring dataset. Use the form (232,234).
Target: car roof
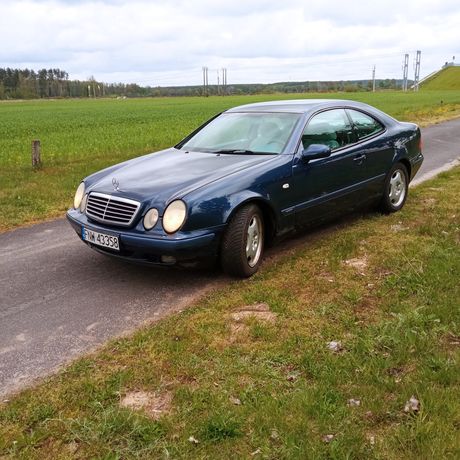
(298,105)
(309,106)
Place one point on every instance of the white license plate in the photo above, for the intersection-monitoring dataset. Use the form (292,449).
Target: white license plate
(101,239)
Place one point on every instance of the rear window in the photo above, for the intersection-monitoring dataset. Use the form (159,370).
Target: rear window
(364,125)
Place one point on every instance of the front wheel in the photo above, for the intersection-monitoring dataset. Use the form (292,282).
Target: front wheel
(396,188)
(243,242)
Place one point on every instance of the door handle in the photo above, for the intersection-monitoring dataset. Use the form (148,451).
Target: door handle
(360,158)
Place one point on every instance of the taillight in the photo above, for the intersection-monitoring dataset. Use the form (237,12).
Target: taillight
(420,144)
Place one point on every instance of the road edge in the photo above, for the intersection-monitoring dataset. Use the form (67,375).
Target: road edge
(433,173)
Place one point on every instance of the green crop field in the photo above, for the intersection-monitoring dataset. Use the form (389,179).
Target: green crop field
(82,136)
(448,78)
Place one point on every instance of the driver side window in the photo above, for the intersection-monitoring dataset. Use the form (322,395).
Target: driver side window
(331,128)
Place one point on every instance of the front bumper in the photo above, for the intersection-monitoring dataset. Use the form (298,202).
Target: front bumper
(192,247)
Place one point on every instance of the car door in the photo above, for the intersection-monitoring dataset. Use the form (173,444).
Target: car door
(377,150)
(325,186)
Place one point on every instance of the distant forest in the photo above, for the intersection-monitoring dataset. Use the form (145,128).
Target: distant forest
(52,83)
(55,83)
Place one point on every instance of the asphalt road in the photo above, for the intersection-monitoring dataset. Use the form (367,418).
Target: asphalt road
(441,148)
(59,299)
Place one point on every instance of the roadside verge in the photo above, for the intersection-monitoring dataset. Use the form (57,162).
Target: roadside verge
(347,346)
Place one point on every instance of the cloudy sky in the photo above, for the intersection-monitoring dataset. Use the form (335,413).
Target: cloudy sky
(167,42)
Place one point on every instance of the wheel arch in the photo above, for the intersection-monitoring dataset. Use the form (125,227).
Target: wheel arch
(406,163)
(401,155)
(268,214)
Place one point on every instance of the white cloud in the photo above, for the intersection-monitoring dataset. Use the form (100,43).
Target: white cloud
(158,42)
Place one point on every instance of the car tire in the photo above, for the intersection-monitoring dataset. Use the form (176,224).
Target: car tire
(243,242)
(395,189)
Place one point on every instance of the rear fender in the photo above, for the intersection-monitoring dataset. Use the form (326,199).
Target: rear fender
(408,150)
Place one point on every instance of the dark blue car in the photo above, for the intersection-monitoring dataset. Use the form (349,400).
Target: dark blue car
(247,176)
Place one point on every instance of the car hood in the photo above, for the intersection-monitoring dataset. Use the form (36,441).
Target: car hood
(160,177)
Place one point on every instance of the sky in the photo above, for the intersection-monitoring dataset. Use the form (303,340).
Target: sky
(161,43)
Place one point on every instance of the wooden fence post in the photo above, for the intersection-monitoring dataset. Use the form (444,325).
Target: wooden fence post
(36,160)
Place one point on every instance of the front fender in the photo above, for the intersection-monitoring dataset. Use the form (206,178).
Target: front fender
(239,199)
(212,212)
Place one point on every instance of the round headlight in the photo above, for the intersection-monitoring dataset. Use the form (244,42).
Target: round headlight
(150,218)
(83,204)
(174,216)
(79,195)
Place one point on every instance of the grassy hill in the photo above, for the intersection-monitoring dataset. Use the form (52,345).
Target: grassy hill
(448,78)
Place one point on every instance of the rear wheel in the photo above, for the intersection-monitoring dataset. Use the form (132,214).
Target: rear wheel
(243,242)
(396,188)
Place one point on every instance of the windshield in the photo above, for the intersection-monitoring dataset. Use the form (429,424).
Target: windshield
(244,133)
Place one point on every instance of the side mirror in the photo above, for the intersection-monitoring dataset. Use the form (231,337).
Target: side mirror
(314,151)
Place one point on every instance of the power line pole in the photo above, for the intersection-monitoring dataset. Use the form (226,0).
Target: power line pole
(205,81)
(373,79)
(218,87)
(224,83)
(417,69)
(405,72)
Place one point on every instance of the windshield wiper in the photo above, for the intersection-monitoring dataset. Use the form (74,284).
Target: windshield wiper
(239,152)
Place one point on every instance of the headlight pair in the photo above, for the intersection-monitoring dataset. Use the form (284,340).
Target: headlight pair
(173,217)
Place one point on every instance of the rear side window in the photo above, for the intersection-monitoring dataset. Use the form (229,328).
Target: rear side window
(331,128)
(364,125)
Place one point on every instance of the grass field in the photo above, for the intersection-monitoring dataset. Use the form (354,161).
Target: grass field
(448,78)
(234,384)
(81,136)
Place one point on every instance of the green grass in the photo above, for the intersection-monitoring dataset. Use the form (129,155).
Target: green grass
(82,136)
(447,79)
(398,319)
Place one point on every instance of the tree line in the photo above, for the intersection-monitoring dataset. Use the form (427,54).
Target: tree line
(55,83)
(280,87)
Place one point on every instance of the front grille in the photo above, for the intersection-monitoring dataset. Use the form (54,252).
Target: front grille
(111,209)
